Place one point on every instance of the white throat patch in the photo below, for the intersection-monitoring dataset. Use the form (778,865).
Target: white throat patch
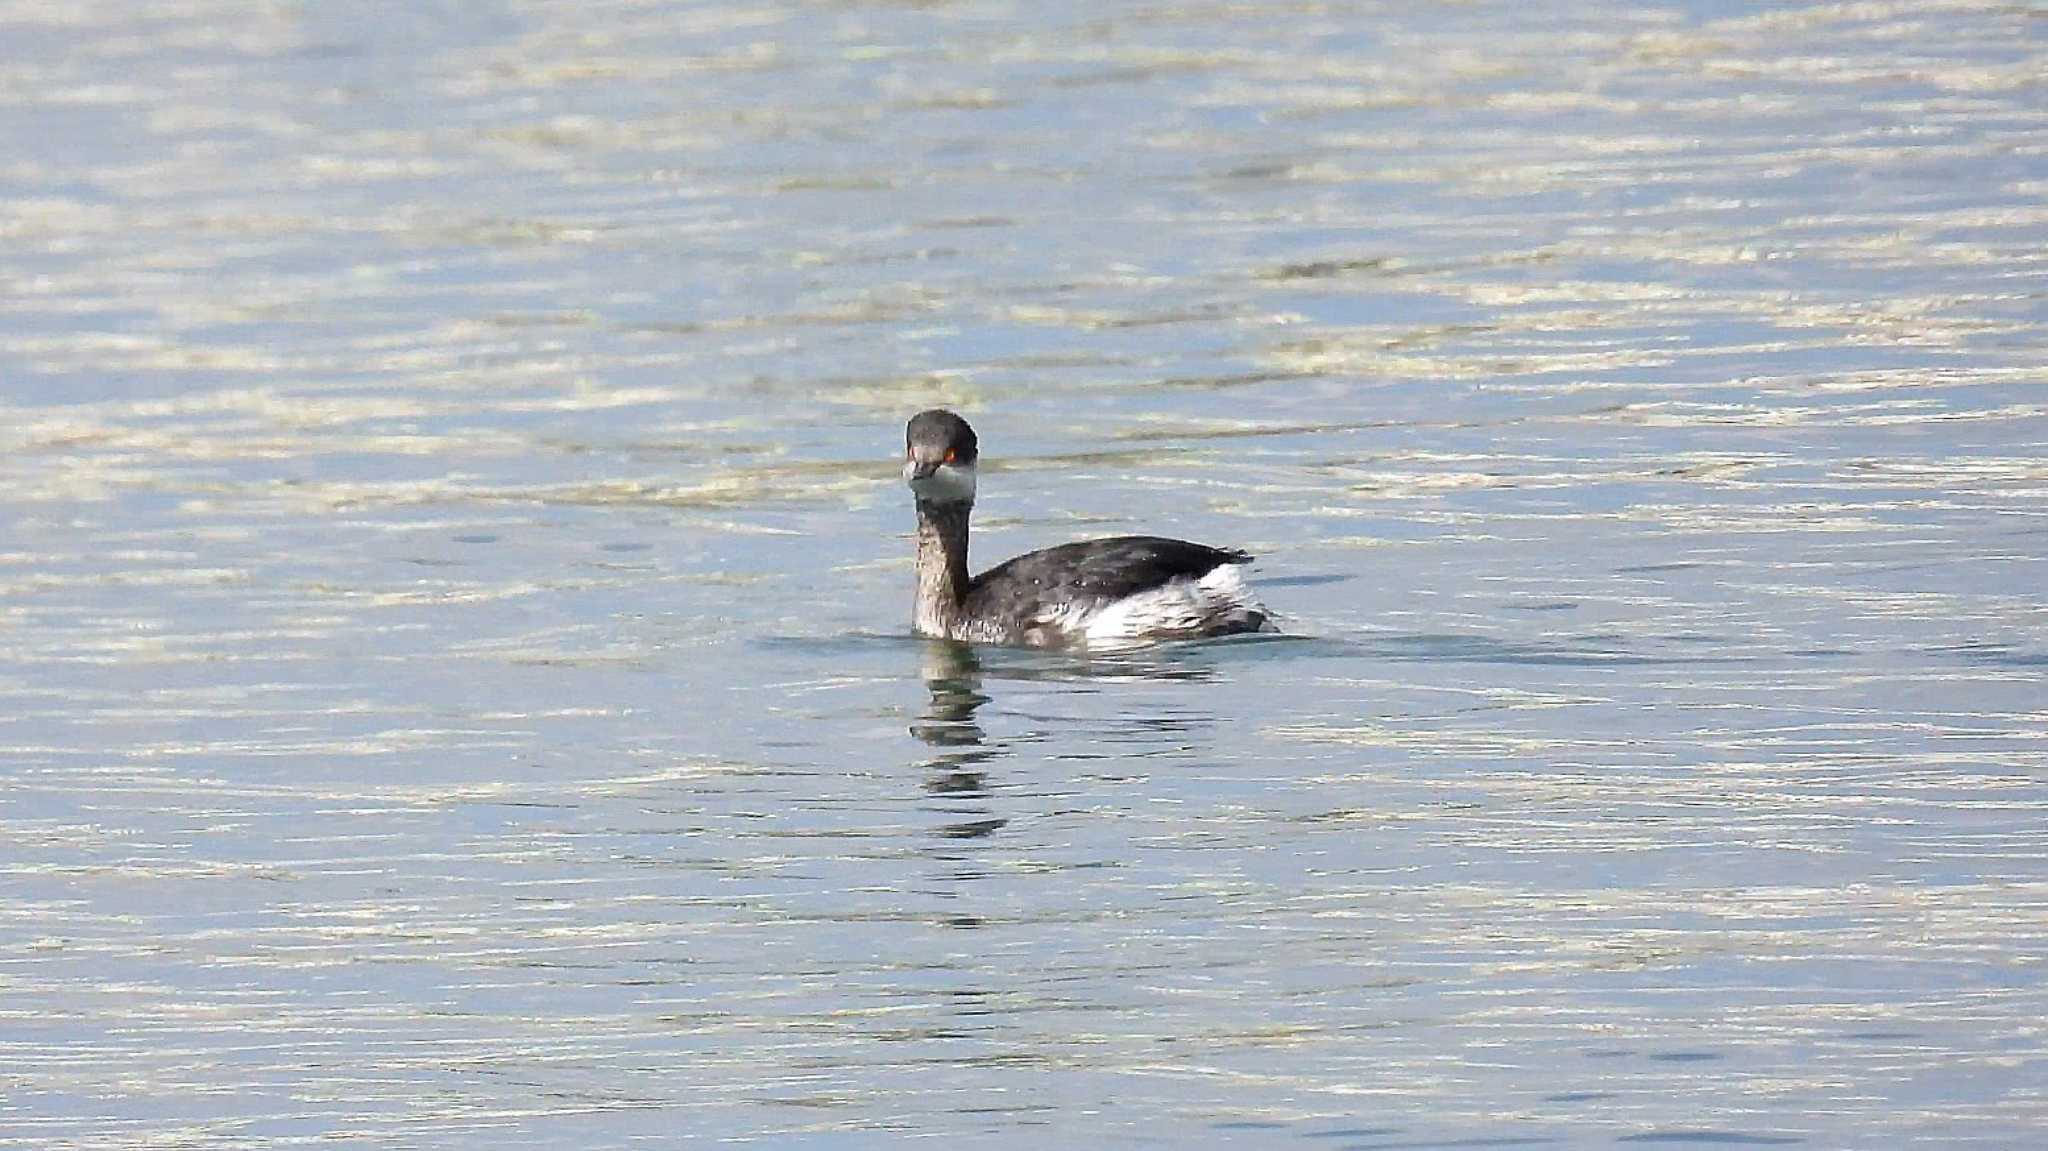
(950,484)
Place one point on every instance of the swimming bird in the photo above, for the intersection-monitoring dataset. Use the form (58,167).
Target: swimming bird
(1103,593)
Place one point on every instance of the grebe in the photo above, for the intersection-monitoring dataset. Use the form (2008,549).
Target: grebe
(1093,593)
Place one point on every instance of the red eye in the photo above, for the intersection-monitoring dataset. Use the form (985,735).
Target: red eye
(950,454)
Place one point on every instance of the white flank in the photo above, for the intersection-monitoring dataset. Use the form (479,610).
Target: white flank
(1179,607)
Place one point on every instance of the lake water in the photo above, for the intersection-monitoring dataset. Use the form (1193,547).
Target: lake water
(455,682)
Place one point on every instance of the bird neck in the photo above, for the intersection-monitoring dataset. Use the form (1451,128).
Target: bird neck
(941,565)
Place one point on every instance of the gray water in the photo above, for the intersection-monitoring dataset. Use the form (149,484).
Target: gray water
(455,682)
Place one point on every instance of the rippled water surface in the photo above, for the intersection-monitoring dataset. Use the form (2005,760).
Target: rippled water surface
(455,686)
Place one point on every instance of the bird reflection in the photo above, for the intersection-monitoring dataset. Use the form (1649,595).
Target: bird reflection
(958,753)
(959,749)
(952,674)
